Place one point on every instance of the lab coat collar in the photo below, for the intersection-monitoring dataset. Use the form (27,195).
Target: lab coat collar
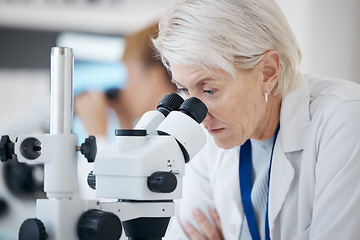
(282,175)
(294,124)
(295,118)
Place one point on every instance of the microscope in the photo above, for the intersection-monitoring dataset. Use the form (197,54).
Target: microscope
(142,170)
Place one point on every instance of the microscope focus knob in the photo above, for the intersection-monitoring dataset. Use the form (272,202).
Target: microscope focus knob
(98,225)
(91,180)
(162,182)
(89,149)
(6,149)
(32,229)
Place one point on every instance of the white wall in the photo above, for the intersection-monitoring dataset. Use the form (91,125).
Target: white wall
(328,32)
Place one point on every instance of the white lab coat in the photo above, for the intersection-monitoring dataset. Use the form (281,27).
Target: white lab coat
(315,175)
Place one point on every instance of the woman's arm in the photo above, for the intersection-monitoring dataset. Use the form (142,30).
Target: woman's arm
(197,195)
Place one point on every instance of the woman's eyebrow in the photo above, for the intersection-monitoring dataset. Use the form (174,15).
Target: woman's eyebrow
(200,82)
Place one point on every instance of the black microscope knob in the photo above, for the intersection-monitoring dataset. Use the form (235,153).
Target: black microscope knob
(6,149)
(30,148)
(99,225)
(32,229)
(91,180)
(89,148)
(162,182)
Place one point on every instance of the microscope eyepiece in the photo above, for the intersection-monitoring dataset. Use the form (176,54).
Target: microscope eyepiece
(194,108)
(170,102)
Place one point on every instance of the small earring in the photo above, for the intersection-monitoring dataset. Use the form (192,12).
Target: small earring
(266,97)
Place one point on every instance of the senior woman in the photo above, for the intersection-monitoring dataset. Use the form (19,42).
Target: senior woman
(282,159)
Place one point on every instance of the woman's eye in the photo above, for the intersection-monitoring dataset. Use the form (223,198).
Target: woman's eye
(182,90)
(209,92)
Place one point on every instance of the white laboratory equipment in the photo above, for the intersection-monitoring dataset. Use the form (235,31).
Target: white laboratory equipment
(142,170)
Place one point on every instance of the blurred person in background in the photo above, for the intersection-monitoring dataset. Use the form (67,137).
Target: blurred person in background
(147,82)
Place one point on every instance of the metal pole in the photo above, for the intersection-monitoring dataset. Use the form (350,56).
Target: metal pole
(62,97)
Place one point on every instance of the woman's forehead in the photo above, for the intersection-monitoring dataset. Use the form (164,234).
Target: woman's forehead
(182,73)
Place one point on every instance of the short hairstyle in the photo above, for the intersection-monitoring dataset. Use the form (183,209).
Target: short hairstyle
(229,35)
(138,46)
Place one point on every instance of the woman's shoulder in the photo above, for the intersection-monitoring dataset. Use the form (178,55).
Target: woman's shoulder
(332,98)
(344,90)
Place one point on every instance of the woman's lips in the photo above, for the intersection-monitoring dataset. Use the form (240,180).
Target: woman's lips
(216,130)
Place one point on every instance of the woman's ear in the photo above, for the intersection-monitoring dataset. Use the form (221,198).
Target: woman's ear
(270,70)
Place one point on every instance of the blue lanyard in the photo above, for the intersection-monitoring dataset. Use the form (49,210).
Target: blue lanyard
(245,173)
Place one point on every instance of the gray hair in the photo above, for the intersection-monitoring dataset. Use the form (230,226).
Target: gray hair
(229,35)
